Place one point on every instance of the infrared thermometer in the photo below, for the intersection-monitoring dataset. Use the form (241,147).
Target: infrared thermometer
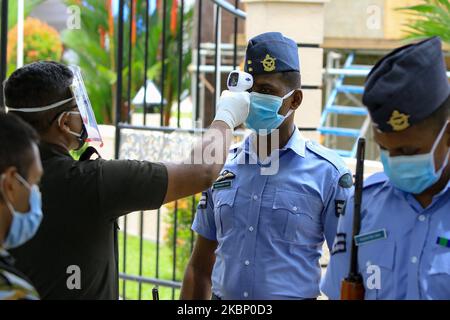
(239,81)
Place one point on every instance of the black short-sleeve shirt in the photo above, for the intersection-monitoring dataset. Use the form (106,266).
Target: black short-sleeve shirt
(74,253)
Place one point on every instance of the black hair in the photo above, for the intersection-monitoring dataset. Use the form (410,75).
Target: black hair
(292,79)
(39,84)
(16,143)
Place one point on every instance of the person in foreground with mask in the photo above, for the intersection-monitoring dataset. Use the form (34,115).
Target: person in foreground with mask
(404,242)
(262,224)
(20,201)
(74,255)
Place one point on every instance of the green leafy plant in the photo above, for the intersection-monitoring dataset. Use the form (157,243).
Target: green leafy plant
(29,5)
(96,47)
(432,18)
(40,42)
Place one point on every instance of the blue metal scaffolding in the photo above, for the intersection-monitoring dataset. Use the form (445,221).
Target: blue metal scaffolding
(333,109)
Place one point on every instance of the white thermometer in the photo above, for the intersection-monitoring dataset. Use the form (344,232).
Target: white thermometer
(239,81)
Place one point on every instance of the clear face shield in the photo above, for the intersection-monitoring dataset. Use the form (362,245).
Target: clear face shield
(83,104)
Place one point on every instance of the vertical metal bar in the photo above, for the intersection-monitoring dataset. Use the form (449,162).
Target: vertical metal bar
(180,62)
(217,58)
(158,231)
(3,49)
(174,262)
(199,40)
(130,58)
(119,96)
(20,22)
(141,251)
(141,222)
(147,17)
(130,53)
(124,253)
(119,76)
(163,61)
(236,5)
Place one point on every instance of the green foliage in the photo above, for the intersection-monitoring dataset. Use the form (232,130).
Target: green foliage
(76,154)
(40,42)
(432,18)
(29,5)
(98,57)
(149,250)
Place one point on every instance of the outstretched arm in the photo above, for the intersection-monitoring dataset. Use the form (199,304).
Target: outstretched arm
(208,156)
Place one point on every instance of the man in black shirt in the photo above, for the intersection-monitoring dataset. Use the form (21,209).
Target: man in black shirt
(83,199)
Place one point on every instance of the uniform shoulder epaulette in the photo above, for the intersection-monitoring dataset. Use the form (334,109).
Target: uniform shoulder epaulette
(329,155)
(377,178)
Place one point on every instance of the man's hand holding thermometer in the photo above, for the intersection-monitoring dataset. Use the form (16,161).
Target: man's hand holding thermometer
(233,105)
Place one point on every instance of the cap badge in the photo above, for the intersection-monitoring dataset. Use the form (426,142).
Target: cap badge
(268,63)
(399,121)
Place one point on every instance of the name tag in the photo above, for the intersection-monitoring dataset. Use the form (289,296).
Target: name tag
(370,237)
(222,185)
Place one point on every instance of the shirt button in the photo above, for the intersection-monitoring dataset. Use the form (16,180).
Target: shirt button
(247,262)
(251,229)
(255,197)
(246,294)
(368,263)
(294,208)
(218,202)
(414,259)
(422,218)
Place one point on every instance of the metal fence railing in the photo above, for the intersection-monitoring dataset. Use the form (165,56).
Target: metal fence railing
(160,270)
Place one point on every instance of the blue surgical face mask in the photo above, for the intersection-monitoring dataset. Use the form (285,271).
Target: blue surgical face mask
(414,174)
(24,225)
(263,117)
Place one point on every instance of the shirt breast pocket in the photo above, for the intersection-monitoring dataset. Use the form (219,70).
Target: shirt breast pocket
(439,274)
(376,262)
(296,218)
(224,202)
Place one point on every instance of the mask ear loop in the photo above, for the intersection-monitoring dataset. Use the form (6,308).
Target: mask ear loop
(290,93)
(291,111)
(2,189)
(23,181)
(78,135)
(436,143)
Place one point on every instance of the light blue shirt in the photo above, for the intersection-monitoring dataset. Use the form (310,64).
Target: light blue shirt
(412,260)
(270,228)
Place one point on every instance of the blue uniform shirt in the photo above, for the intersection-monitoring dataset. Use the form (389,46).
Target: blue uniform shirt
(405,253)
(270,228)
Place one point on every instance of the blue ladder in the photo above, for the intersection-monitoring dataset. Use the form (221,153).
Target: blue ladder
(331,108)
